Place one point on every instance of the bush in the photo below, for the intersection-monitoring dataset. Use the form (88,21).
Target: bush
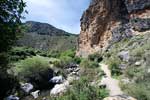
(114,66)
(88,64)
(9,84)
(81,90)
(138,90)
(95,57)
(138,52)
(77,60)
(69,53)
(20,53)
(133,71)
(35,70)
(54,54)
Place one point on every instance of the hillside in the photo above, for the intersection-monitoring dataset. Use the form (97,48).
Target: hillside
(46,37)
(129,60)
(109,61)
(119,31)
(44,29)
(107,21)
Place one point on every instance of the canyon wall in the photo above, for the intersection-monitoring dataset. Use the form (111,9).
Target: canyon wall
(108,21)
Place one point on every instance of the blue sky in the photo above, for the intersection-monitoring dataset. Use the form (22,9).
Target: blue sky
(63,14)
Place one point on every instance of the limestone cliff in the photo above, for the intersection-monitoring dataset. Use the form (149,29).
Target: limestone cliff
(109,21)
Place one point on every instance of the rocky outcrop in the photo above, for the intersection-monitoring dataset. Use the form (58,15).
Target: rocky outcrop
(109,21)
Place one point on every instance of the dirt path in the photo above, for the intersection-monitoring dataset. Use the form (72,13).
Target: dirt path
(111,83)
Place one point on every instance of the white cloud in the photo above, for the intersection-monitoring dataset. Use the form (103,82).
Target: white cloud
(64,14)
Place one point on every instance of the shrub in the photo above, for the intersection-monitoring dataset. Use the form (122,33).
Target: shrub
(54,54)
(35,70)
(138,52)
(20,53)
(138,90)
(81,90)
(133,71)
(9,84)
(77,60)
(69,53)
(114,66)
(88,64)
(65,60)
(95,57)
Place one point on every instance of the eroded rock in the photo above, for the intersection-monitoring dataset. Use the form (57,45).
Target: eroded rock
(12,97)
(59,89)
(57,79)
(124,55)
(26,87)
(109,21)
(35,94)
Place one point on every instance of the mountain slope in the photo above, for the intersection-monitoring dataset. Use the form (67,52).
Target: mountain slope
(44,29)
(130,58)
(46,37)
(119,30)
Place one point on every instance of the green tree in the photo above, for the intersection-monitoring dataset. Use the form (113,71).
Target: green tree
(10,21)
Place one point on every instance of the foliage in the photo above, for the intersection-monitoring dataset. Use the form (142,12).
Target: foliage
(10,15)
(46,37)
(133,72)
(82,90)
(20,53)
(95,57)
(66,58)
(54,54)
(88,64)
(139,48)
(48,43)
(114,66)
(9,84)
(35,70)
(77,60)
(69,53)
(138,52)
(10,20)
(140,89)
(30,66)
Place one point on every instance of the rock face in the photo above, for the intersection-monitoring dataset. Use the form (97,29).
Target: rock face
(109,21)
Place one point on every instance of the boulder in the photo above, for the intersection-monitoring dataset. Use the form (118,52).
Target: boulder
(44,98)
(12,97)
(26,87)
(124,55)
(120,97)
(35,94)
(77,70)
(59,89)
(56,80)
(72,65)
(122,66)
(148,70)
(138,63)
(69,70)
(75,73)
